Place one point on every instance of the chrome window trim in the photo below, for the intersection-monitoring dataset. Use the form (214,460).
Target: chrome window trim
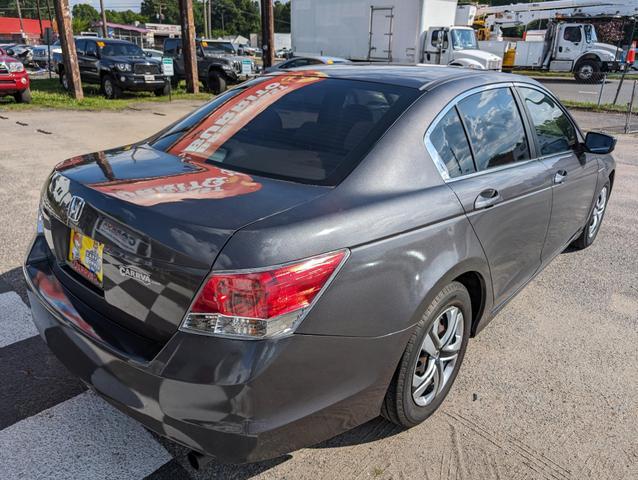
(436,158)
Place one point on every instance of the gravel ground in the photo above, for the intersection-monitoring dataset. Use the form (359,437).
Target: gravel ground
(547,391)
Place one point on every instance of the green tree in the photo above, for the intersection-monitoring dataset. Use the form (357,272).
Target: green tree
(282,17)
(85,12)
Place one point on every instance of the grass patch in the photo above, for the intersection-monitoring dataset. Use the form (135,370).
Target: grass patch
(632,74)
(594,107)
(48,93)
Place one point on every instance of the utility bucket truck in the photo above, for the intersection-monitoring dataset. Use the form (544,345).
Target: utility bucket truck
(570,47)
(401,31)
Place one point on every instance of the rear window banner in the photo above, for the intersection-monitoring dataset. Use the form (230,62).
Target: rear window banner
(204,140)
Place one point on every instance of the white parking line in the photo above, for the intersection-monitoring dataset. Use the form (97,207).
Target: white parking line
(15,319)
(588,93)
(83,437)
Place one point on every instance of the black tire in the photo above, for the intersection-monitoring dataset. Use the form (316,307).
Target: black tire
(588,71)
(64,80)
(399,406)
(216,82)
(161,92)
(590,231)
(110,88)
(23,97)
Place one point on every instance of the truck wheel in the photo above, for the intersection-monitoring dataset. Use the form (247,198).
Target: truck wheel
(588,71)
(64,80)
(216,83)
(23,97)
(110,89)
(161,92)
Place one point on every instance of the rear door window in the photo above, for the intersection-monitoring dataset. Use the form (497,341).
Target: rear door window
(494,127)
(307,128)
(554,131)
(449,145)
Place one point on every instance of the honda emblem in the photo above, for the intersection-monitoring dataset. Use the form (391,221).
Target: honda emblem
(74,210)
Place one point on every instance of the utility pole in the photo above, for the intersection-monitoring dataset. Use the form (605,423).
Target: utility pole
(188,45)
(37,7)
(205,18)
(105,28)
(209,34)
(20,17)
(49,39)
(267,33)
(71,68)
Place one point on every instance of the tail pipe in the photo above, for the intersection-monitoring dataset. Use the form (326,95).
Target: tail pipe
(198,460)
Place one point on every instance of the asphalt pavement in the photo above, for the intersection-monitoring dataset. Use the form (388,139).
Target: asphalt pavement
(570,89)
(547,391)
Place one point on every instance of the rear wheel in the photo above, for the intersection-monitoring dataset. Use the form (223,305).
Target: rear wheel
(23,97)
(588,71)
(431,359)
(110,89)
(590,232)
(216,82)
(64,80)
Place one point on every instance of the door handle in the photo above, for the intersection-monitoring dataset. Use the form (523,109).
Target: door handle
(487,198)
(560,177)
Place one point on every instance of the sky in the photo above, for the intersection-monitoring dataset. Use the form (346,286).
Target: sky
(112,4)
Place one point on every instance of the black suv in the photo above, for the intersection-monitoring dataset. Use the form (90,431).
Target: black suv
(116,65)
(218,63)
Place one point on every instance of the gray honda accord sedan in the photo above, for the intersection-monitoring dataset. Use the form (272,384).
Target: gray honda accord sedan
(308,250)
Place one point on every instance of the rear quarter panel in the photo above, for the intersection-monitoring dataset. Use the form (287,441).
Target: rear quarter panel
(406,230)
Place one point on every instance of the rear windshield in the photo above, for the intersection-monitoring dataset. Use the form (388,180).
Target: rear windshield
(297,126)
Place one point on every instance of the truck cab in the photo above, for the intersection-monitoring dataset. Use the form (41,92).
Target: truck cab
(456,46)
(575,47)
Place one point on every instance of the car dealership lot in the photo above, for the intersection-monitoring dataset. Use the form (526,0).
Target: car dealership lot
(546,391)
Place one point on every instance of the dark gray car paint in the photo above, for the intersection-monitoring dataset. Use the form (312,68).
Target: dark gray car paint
(409,232)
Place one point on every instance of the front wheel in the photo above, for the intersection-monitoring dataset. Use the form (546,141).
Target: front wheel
(161,92)
(592,227)
(110,88)
(216,82)
(588,71)
(23,97)
(431,359)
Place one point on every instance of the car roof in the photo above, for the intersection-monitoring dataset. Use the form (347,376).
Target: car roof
(416,76)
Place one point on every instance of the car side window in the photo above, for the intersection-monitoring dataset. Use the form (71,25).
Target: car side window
(494,127)
(80,46)
(572,34)
(91,49)
(554,130)
(451,148)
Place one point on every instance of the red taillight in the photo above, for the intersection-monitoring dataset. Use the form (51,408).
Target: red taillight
(262,303)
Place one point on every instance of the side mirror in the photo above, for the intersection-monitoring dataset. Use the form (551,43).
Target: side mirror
(10,52)
(599,143)
(148,54)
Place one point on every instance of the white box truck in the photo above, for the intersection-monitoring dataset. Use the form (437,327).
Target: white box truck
(402,31)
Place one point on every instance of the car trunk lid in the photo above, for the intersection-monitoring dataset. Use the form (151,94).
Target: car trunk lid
(161,222)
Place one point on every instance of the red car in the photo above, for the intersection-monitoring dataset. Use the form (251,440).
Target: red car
(14,79)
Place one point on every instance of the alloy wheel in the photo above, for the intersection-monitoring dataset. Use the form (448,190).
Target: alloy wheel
(108,88)
(597,214)
(438,356)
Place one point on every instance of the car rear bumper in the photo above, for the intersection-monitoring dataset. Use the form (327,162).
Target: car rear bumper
(239,401)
